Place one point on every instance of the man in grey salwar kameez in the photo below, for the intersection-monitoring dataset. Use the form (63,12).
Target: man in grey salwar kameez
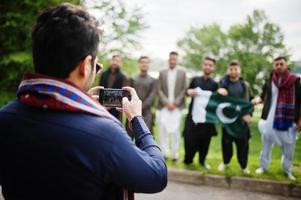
(146,89)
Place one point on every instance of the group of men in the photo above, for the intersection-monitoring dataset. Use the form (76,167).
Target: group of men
(58,142)
(281,97)
(171,89)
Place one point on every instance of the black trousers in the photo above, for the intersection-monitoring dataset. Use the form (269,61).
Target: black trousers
(242,148)
(196,142)
(197,138)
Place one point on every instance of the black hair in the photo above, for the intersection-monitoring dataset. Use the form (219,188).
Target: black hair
(210,58)
(143,57)
(62,37)
(234,63)
(280,58)
(173,53)
(116,56)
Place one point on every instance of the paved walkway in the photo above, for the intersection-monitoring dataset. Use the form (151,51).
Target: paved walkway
(181,191)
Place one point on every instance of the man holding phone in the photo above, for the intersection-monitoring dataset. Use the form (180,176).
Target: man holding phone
(56,141)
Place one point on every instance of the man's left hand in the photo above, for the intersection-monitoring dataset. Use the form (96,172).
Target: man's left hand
(94,92)
(192,92)
(171,106)
(247,118)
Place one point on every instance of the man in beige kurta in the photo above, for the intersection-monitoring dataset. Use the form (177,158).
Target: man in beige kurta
(172,85)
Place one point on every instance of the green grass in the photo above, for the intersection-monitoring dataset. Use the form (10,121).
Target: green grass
(214,158)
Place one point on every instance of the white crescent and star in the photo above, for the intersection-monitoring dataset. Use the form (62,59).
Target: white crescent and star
(224,119)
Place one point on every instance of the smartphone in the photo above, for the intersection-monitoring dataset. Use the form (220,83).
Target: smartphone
(110,97)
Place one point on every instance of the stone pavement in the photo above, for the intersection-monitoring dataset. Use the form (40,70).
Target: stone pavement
(192,185)
(283,188)
(184,191)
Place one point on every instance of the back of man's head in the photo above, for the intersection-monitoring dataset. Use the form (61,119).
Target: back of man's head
(62,37)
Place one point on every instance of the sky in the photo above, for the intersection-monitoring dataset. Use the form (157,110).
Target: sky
(168,20)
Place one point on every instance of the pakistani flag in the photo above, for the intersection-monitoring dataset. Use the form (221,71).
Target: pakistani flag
(211,107)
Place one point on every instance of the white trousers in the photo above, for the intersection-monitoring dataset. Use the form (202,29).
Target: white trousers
(284,139)
(168,130)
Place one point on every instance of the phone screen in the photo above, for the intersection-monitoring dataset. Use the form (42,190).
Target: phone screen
(112,97)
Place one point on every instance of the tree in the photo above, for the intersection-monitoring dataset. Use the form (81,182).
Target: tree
(205,41)
(121,27)
(16,21)
(254,42)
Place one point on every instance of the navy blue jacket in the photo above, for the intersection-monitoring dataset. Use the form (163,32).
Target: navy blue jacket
(48,154)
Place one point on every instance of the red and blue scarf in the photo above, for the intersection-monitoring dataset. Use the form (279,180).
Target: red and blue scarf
(284,115)
(57,94)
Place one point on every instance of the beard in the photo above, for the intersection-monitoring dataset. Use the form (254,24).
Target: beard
(207,73)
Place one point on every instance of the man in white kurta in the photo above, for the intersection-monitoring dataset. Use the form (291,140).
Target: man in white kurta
(270,136)
(172,88)
(283,134)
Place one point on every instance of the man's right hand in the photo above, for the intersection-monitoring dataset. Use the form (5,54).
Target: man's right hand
(222,91)
(170,106)
(192,92)
(131,108)
(256,100)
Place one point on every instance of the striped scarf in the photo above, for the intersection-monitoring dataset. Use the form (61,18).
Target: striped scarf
(57,94)
(284,115)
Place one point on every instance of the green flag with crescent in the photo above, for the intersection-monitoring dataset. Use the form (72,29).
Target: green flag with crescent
(211,107)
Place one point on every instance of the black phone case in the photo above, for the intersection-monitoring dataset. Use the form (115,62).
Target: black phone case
(110,97)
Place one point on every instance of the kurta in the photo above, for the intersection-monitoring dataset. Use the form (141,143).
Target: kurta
(146,88)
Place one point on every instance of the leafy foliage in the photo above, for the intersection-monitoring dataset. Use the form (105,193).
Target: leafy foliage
(121,27)
(254,42)
(16,21)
